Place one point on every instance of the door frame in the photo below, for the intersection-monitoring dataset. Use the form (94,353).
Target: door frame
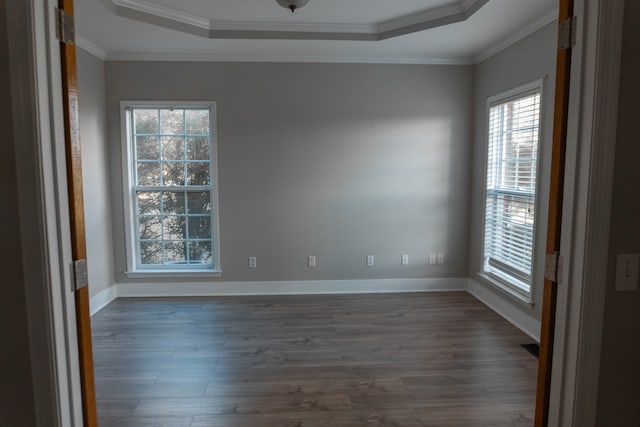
(39,143)
(39,139)
(592,123)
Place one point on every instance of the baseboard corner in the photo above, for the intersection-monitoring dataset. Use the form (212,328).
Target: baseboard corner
(102,298)
(511,312)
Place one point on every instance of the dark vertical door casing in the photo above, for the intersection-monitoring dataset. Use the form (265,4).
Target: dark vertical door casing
(549,300)
(76,209)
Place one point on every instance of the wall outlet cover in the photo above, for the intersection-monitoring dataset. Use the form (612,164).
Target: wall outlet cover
(627,267)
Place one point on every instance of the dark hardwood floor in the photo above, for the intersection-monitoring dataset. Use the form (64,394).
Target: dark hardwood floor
(430,359)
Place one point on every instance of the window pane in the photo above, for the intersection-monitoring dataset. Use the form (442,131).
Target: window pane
(173,148)
(147,148)
(197,122)
(511,189)
(150,227)
(197,148)
(198,173)
(148,173)
(174,227)
(151,253)
(175,252)
(173,202)
(145,121)
(173,173)
(148,202)
(172,122)
(200,251)
(199,202)
(199,227)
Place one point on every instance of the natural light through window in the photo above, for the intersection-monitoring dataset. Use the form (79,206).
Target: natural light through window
(171,186)
(512,160)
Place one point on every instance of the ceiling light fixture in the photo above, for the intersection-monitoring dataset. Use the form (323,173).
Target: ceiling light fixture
(292,4)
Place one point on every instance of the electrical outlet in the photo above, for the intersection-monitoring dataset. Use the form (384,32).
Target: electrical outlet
(252,262)
(627,266)
(311,262)
(433,259)
(440,259)
(404,260)
(371,261)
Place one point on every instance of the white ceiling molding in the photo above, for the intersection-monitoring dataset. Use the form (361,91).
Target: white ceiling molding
(144,11)
(178,57)
(543,20)
(90,47)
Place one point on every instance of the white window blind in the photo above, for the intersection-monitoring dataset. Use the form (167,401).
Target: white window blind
(514,127)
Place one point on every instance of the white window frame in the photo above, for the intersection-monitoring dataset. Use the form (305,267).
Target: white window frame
(522,290)
(129,170)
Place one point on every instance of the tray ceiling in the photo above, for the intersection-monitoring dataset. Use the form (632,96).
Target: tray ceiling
(366,20)
(407,31)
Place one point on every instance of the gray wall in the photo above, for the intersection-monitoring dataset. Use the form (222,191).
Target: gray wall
(333,160)
(532,58)
(619,391)
(95,157)
(16,391)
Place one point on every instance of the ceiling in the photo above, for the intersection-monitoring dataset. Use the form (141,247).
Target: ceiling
(378,31)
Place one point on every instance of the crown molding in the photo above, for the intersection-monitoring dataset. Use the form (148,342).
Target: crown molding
(174,15)
(180,57)
(505,42)
(145,11)
(91,47)
(250,26)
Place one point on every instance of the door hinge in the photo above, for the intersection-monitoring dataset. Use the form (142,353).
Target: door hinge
(65,27)
(567,33)
(553,267)
(80,274)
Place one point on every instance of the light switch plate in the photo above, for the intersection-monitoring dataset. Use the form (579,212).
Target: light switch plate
(371,261)
(253,262)
(311,261)
(627,267)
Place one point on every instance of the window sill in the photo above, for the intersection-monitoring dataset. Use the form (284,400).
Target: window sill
(520,297)
(172,273)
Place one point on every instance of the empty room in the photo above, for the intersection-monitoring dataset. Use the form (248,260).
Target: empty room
(325,212)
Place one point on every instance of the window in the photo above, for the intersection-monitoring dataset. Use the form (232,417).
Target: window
(171,194)
(512,158)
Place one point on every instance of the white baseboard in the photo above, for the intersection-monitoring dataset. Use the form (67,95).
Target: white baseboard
(291,287)
(102,298)
(511,312)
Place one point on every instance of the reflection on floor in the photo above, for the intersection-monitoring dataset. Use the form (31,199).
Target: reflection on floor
(430,359)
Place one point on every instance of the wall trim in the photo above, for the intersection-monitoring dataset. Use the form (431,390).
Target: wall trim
(505,42)
(91,47)
(598,212)
(36,99)
(307,287)
(514,314)
(102,298)
(213,57)
(189,23)
(595,79)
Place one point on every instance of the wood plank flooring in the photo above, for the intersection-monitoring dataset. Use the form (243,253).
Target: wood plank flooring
(430,359)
